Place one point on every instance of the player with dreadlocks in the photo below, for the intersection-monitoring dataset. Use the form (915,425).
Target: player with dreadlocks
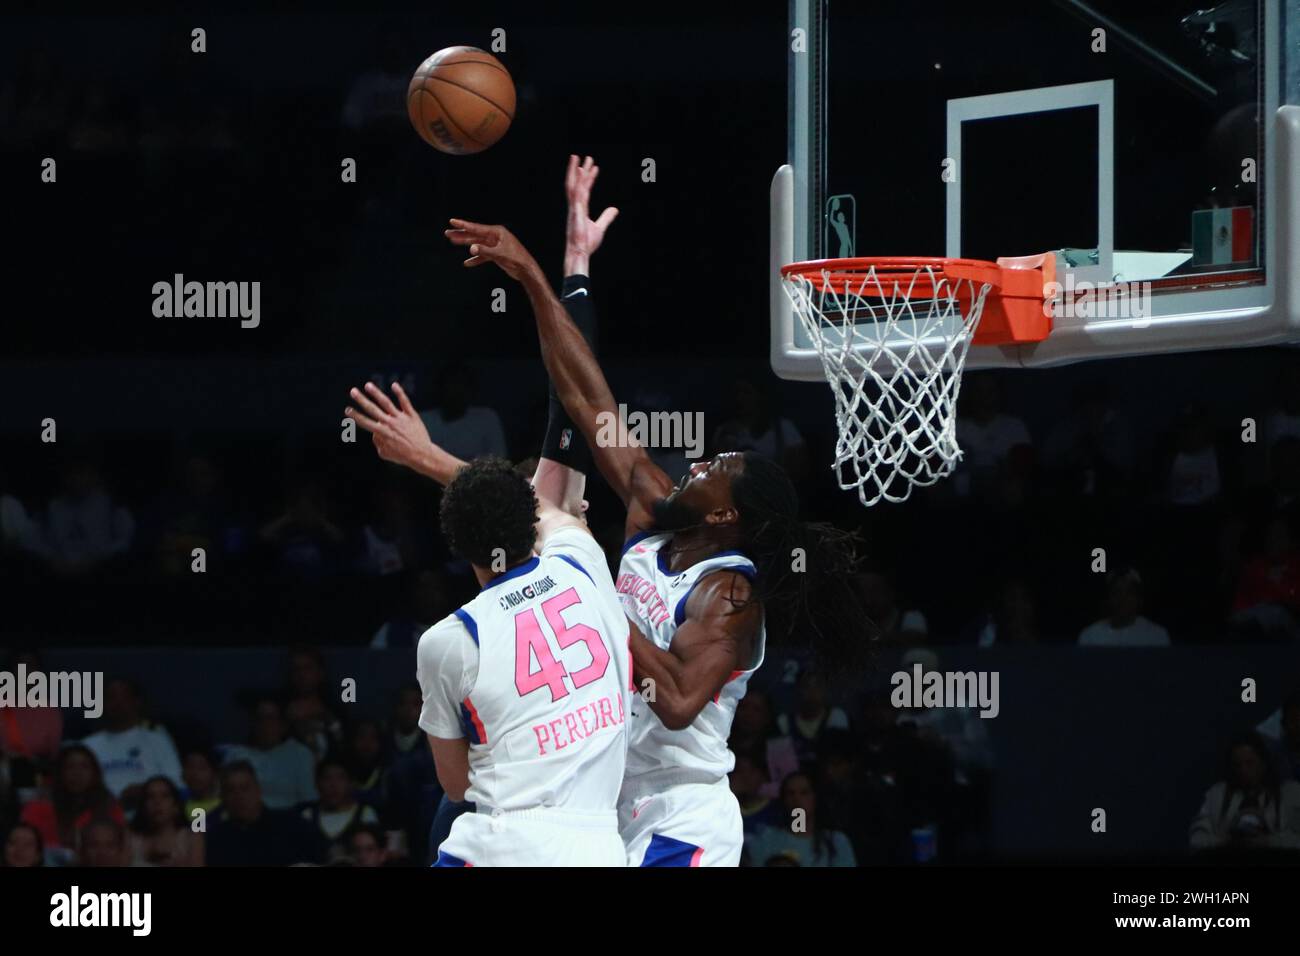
(710,564)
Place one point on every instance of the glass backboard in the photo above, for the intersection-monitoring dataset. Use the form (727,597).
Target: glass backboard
(1153,147)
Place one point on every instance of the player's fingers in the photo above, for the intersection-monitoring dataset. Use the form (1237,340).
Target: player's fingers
(368,424)
(365,404)
(474,261)
(606,217)
(402,398)
(474,228)
(587,164)
(571,174)
(382,400)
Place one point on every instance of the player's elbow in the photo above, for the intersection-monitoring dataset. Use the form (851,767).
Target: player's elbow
(678,714)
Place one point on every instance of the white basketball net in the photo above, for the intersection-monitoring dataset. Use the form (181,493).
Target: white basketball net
(893,347)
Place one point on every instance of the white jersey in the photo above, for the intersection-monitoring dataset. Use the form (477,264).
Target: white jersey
(654,598)
(534,672)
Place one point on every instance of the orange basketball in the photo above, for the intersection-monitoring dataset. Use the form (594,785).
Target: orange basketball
(461,100)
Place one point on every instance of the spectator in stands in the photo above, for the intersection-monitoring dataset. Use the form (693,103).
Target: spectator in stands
(1091,449)
(428,605)
(986,435)
(304,537)
(894,625)
(103,843)
(754,731)
(77,796)
(466,431)
(310,711)
(363,753)
(23,847)
(798,834)
(1286,748)
(161,834)
(199,774)
(29,736)
(1284,474)
(130,749)
(337,814)
(1251,807)
(1124,625)
(748,779)
(244,831)
(1014,618)
(84,526)
(811,716)
(1284,420)
(285,768)
(411,790)
(1194,475)
(19,531)
(367,846)
(1267,602)
(961,731)
(389,542)
(755,425)
(193,513)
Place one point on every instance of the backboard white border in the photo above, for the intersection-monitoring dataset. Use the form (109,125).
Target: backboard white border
(1047,99)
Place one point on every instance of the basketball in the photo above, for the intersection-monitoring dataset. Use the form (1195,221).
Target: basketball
(461,100)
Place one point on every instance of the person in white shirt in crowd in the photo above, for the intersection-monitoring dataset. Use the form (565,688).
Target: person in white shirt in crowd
(84,526)
(285,768)
(811,716)
(1284,420)
(1251,807)
(463,430)
(131,750)
(1194,476)
(1124,625)
(986,435)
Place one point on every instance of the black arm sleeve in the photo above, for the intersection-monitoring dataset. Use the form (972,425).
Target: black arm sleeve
(564,442)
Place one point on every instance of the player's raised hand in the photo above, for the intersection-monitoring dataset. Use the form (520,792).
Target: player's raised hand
(492,244)
(583,235)
(398,433)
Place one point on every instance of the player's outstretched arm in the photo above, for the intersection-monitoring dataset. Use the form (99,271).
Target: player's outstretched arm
(635,478)
(715,640)
(582,234)
(398,433)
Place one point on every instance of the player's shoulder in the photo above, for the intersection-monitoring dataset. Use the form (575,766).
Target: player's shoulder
(459,625)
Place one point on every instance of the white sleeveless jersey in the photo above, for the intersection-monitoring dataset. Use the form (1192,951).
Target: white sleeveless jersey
(535,673)
(654,599)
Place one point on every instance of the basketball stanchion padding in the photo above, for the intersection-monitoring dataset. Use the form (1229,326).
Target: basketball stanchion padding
(892,335)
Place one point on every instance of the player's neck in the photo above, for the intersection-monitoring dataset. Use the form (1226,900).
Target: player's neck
(690,546)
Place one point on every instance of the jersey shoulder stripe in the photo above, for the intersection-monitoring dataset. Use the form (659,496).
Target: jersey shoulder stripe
(470,624)
(574,561)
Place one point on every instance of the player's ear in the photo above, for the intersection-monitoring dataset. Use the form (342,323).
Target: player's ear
(724,515)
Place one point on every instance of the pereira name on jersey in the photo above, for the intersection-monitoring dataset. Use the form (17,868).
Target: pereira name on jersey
(533,672)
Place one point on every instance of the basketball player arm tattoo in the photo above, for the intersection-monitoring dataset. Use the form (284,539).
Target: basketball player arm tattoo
(713,643)
(573,368)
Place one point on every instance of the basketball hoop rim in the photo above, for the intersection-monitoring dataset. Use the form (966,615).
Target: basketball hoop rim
(923,269)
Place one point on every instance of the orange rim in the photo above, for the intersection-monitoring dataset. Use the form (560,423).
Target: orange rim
(912,276)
